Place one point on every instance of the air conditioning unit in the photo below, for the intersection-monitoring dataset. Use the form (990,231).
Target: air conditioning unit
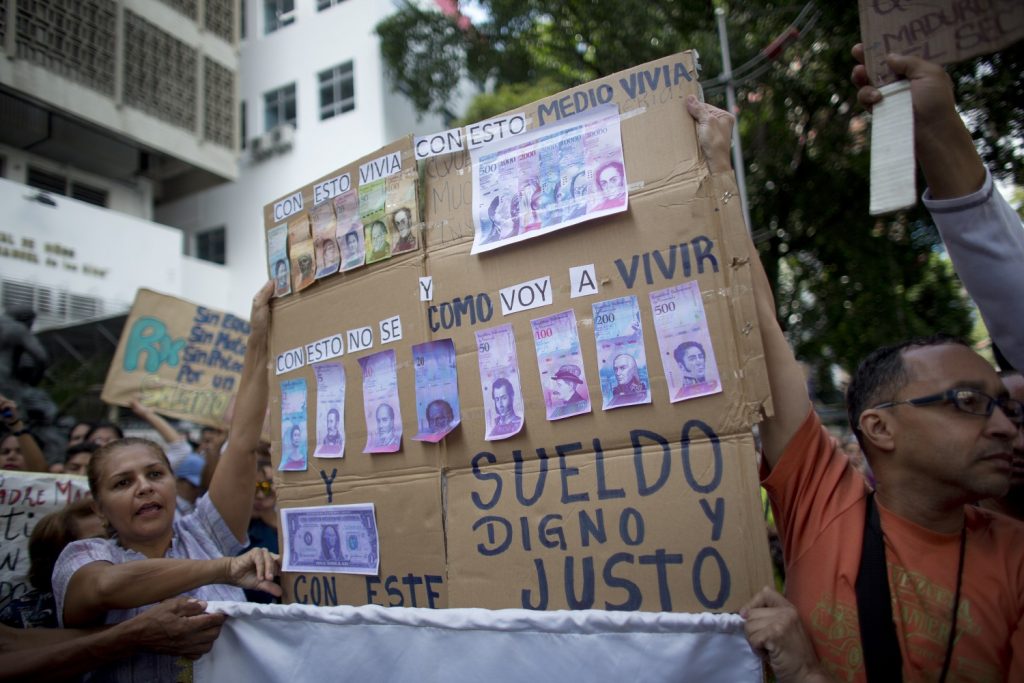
(277,140)
(259,148)
(282,137)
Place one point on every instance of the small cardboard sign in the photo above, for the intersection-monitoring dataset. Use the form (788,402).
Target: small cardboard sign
(939,31)
(181,359)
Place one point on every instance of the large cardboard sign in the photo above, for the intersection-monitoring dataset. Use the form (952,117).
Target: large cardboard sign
(25,498)
(940,31)
(577,498)
(177,357)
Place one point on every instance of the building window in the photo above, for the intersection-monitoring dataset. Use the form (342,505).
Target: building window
(46,181)
(321,5)
(210,245)
(337,91)
(243,131)
(90,195)
(241,19)
(58,184)
(279,107)
(277,14)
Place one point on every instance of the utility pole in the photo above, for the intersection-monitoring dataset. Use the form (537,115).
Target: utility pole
(730,98)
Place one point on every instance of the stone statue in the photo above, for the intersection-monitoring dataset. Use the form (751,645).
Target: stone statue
(23,361)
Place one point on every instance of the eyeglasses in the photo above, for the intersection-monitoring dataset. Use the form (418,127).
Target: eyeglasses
(265,487)
(969,401)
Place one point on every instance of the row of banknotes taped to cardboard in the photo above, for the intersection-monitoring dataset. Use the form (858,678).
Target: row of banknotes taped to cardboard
(528,186)
(684,346)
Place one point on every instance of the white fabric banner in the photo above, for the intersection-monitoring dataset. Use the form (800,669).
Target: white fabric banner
(371,643)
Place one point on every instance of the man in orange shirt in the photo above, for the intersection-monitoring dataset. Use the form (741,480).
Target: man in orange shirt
(937,426)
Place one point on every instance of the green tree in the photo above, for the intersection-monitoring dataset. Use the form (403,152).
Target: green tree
(845,282)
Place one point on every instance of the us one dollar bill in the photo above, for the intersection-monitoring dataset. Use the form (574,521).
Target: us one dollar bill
(331,538)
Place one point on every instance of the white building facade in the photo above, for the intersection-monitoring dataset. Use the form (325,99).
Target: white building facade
(108,107)
(139,140)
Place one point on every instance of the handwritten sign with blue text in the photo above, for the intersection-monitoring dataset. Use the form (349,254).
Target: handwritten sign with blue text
(177,357)
(940,31)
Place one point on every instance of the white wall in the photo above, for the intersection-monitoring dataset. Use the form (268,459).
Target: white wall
(208,284)
(297,53)
(89,251)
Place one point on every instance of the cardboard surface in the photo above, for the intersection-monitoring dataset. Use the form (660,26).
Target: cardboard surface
(940,31)
(179,358)
(681,225)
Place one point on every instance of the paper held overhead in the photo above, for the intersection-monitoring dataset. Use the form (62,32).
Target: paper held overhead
(892,151)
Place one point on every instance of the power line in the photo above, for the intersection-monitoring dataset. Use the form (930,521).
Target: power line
(756,66)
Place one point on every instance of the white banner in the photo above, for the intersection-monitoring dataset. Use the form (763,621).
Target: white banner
(25,498)
(372,643)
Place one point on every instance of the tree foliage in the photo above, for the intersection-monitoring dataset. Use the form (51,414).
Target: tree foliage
(845,282)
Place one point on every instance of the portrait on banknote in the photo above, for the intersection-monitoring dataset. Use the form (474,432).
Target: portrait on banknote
(684,342)
(547,179)
(293,426)
(380,403)
(349,230)
(437,390)
(499,382)
(376,231)
(302,265)
(325,243)
(378,241)
(277,259)
(352,250)
(330,410)
(562,378)
(402,211)
(621,357)
(339,539)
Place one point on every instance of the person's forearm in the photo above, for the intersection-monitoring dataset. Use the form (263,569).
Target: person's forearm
(948,158)
(233,484)
(35,461)
(95,590)
(157,422)
(785,376)
(57,654)
(251,399)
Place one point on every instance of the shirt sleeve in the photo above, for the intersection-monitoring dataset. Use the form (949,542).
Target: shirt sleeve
(812,483)
(177,451)
(75,556)
(985,240)
(206,522)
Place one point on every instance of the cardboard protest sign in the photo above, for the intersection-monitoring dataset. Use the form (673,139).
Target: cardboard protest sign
(940,31)
(181,359)
(25,498)
(649,506)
